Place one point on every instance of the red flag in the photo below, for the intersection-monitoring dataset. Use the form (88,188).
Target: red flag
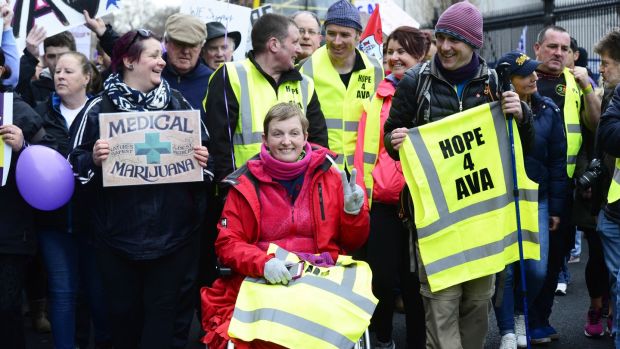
(371,41)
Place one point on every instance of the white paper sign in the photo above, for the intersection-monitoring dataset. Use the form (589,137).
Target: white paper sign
(56,16)
(233,17)
(392,16)
(6,118)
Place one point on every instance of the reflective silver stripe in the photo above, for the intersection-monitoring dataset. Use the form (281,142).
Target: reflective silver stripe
(304,94)
(370,158)
(351,126)
(368,192)
(378,73)
(450,218)
(334,123)
(339,159)
(351,160)
(245,106)
(307,68)
(573,128)
(287,319)
(478,252)
(571,159)
(617,175)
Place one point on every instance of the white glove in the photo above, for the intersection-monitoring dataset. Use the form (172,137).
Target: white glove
(353,193)
(276,272)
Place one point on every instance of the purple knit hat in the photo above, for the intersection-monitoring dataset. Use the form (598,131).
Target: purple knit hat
(344,14)
(462,21)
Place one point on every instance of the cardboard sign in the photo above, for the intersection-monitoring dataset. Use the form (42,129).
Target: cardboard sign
(151,147)
(392,16)
(55,15)
(6,118)
(233,17)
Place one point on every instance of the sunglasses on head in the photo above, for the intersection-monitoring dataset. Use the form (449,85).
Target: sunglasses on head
(143,33)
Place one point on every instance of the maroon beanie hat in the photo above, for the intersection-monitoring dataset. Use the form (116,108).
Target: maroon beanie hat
(462,21)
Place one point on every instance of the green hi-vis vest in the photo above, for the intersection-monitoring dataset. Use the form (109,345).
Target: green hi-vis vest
(614,189)
(342,105)
(371,143)
(324,308)
(572,106)
(459,173)
(255,96)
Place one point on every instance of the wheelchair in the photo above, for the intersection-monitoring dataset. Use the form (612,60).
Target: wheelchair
(362,343)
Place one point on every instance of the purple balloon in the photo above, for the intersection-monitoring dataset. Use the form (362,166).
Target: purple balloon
(44,178)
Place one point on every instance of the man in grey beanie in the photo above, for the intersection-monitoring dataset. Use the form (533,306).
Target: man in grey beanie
(344,79)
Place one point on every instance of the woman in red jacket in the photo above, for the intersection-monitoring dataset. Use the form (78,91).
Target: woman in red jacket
(288,195)
(384,180)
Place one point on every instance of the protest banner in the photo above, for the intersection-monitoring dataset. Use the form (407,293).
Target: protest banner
(151,147)
(371,40)
(392,16)
(55,15)
(233,17)
(6,118)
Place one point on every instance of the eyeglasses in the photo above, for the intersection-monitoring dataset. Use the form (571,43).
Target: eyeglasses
(310,32)
(143,33)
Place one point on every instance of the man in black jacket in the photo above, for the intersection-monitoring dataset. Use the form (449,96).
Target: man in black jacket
(457,316)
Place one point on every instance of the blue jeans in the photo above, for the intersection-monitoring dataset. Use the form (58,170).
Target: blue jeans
(609,232)
(70,262)
(535,271)
(60,253)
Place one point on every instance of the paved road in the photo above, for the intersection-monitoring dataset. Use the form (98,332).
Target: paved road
(568,318)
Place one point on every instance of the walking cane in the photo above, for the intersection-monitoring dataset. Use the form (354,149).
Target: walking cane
(505,85)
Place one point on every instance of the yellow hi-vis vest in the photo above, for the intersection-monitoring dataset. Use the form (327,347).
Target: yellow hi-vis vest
(342,105)
(572,106)
(371,143)
(614,189)
(324,308)
(255,96)
(459,173)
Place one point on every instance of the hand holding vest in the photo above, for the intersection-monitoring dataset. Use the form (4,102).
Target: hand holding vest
(276,272)
(353,193)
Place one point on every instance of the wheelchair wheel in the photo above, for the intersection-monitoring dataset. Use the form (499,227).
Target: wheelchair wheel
(363,342)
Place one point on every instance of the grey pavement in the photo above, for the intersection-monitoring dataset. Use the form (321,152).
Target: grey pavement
(569,313)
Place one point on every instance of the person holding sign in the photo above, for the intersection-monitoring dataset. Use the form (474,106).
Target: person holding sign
(545,165)
(147,236)
(387,250)
(456,79)
(290,195)
(17,236)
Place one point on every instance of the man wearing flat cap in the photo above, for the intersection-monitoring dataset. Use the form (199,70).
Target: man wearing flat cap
(344,79)
(220,45)
(184,37)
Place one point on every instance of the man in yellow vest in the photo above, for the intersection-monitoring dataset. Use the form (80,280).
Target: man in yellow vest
(571,91)
(455,79)
(241,93)
(345,79)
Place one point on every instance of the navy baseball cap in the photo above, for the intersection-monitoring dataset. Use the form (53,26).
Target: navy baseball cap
(520,63)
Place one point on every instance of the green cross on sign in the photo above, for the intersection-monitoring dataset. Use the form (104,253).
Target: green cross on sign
(153,148)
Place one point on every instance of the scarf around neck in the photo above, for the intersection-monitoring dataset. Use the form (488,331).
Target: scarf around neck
(462,74)
(126,98)
(286,171)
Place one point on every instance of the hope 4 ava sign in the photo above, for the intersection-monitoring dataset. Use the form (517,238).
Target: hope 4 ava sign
(151,147)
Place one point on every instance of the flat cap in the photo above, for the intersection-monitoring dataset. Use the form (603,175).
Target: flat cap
(186,29)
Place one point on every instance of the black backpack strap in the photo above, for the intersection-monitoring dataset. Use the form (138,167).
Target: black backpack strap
(423,93)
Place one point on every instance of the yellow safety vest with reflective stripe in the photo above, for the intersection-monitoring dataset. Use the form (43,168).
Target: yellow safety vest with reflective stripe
(342,105)
(371,143)
(327,307)
(614,189)
(255,96)
(459,174)
(572,106)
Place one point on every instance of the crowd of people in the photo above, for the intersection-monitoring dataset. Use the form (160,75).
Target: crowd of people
(301,148)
